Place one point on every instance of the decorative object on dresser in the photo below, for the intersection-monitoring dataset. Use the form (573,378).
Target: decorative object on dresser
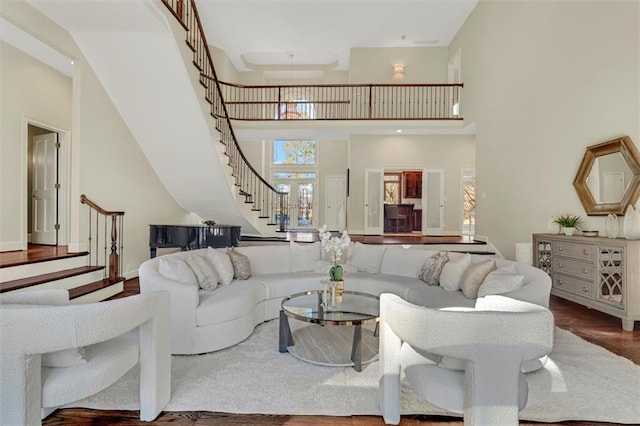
(608,179)
(631,224)
(612,226)
(569,223)
(552,226)
(601,273)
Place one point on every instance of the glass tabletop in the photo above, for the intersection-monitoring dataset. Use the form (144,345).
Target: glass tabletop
(355,308)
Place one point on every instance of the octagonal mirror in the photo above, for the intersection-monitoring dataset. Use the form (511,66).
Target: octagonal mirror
(609,177)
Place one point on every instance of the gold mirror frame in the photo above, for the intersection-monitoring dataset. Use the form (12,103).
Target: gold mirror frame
(624,146)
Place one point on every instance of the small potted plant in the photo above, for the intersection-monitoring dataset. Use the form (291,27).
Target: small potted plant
(570,223)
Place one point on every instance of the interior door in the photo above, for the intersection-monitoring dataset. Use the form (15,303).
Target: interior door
(373,201)
(336,214)
(44,196)
(433,202)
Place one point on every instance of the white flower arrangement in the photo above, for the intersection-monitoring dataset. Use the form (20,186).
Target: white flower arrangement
(334,245)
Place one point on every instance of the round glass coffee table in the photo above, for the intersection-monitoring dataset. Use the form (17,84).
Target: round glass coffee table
(322,342)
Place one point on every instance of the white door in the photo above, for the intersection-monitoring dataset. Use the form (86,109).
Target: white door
(336,214)
(373,201)
(44,192)
(433,202)
(613,187)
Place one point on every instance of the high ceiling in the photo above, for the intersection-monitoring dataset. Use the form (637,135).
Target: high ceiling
(272,34)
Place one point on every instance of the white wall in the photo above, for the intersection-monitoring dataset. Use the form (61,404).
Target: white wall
(415,152)
(108,164)
(544,80)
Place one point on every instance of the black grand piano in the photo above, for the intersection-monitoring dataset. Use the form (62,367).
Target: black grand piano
(190,237)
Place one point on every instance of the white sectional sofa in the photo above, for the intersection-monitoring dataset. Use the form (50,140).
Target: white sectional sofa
(204,320)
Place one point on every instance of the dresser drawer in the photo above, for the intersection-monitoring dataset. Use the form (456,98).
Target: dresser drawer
(573,285)
(575,250)
(573,267)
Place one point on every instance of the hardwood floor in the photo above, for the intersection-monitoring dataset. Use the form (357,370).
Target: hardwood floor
(591,325)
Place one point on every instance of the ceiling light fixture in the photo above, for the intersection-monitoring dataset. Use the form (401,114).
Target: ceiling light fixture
(399,131)
(398,71)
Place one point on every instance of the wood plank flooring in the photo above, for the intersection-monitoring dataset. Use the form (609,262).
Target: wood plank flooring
(591,325)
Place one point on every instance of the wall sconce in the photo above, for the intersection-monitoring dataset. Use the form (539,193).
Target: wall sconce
(398,71)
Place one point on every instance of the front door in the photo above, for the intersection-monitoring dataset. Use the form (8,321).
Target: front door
(301,203)
(44,194)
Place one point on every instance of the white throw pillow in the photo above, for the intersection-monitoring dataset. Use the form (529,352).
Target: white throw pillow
(452,272)
(241,264)
(222,264)
(177,270)
(367,257)
(204,271)
(304,256)
(473,277)
(64,358)
(497,282)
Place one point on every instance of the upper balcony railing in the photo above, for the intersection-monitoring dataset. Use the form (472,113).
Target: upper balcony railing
(343,102)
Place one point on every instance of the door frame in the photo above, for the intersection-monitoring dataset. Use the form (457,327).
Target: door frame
(64,177)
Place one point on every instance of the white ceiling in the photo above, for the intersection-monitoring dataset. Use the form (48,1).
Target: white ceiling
(262,34)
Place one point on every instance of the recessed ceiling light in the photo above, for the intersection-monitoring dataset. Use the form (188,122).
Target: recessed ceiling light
(399,131)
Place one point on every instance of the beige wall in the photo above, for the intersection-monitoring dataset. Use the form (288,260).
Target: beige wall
(543,80)
(375,65)
(448,152)
(106,164)
(29,91)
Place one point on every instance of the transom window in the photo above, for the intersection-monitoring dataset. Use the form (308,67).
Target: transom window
(295,152)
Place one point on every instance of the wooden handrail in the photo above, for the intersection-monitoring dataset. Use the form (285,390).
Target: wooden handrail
(85,200)
(117,217)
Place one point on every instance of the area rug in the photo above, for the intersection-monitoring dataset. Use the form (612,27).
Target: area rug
(580,381)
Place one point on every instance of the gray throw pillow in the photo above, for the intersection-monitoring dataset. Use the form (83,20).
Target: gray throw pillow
(432,267)
(241,264)
(204,271)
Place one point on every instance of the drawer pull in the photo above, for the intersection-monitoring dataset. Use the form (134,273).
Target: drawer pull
(586,251)
(559,248)
(585,289)
(559,282)
(586,270)
(559,265)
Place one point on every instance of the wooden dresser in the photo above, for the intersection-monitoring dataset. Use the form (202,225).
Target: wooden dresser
(597,272)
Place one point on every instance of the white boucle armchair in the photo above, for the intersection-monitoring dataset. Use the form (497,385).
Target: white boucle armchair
(491,340)
(31,324)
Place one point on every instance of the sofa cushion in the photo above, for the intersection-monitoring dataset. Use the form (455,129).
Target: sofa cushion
(286,284)
(367,257)
(498,282)
(240,263)
(379,283)
(474,275)
(64,358)
(228,302)
(222,263)
(403,262)
(434,297)
(271,259)
(176,270)
(432,268)
(304,256)
(204,271)
(452,272)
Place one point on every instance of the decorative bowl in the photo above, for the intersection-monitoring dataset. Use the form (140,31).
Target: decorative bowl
(590,233)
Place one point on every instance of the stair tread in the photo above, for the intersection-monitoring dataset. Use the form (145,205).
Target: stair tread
(26,261)
(44,278)
(91,287)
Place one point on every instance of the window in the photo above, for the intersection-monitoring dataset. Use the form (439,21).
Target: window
(468,184)
(294,152)
(392,188)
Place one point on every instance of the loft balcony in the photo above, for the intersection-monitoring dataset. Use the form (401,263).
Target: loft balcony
(342,102)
